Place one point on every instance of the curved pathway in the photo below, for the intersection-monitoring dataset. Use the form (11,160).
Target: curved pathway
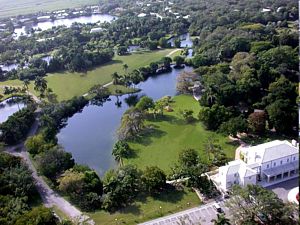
(50,198)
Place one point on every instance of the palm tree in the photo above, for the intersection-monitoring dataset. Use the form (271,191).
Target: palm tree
(115,77)
(40,84)
(221,220)
(125,67)
(121,150)
(26,82)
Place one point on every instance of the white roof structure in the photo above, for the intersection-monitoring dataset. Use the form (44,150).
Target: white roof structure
(269,151)
(142,15)
(238,166)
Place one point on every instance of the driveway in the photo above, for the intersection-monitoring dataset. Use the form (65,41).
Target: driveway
(282,189)
(195,216)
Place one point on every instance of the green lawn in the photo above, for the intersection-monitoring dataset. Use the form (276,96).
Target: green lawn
(171,134)
(67,84)
(22,7)
(149,208)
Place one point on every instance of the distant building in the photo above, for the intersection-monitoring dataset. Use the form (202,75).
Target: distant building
(96,30)
(142,15)
(264,164)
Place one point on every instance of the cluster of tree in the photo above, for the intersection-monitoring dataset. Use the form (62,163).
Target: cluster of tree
(191,169)
(132,123)
(122,186)
(16,127)
(18,193)
(257,88)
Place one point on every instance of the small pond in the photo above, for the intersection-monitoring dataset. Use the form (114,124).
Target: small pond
(9,107)
(67,22)
(90,134)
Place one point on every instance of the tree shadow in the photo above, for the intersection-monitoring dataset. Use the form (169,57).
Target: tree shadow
(148,134)
(132,209)
(170,194)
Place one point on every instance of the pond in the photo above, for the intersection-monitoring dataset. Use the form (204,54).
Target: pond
(67,22)
(91,134)
(9,107)
(185,39)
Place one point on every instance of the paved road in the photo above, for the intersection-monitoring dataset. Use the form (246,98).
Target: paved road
(282,189)
(50,198)
(195,216)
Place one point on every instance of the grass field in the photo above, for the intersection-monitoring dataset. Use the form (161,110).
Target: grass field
(22,7)
(67,84)
(171,134)
(148,208)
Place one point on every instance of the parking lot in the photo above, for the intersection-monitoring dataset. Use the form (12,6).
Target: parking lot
(198,215)
(282,189)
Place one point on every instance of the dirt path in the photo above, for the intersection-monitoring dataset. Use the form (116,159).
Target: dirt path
(50,198)
(242,145)
(172,52)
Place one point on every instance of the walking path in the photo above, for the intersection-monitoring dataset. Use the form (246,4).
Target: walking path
(50,198)
(242,145)
(172,52)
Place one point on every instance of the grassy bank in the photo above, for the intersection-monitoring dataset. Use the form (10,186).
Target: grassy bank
(67,84)
(171,134)
(147,208)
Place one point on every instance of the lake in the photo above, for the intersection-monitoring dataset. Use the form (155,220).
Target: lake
(67,22)
(91,134)
(9,107)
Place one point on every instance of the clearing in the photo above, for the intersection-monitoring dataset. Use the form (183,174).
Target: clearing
(171,134)
(148,208)
(67,85)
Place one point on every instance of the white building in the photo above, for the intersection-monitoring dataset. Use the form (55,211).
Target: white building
(264,164)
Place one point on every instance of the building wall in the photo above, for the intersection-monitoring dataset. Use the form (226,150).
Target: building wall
(279,162)
(249,180)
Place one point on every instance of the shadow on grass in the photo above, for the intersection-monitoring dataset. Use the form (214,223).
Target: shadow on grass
(132,209)
(170,194)
(151,132)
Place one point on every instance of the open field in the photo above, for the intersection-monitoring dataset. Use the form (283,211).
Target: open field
(67,84)
(149,208)
(171,134)
(22,7)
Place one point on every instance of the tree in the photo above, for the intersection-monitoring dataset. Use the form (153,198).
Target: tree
(26,83)
(177,43)
(132,124)
(145,103)
(115,77)
(16,127)
(221,220)
(121,186)
(121,150)
(213,117)
(40,85)
(234,126)
(125,67)
(254,203)
(257,122)
(100,94)
(36,144)
(282,115)
(188,157)
(37,216)
(185,81)
(178,61)
(167,62)
(154,179)
(53,162)
(187,115)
